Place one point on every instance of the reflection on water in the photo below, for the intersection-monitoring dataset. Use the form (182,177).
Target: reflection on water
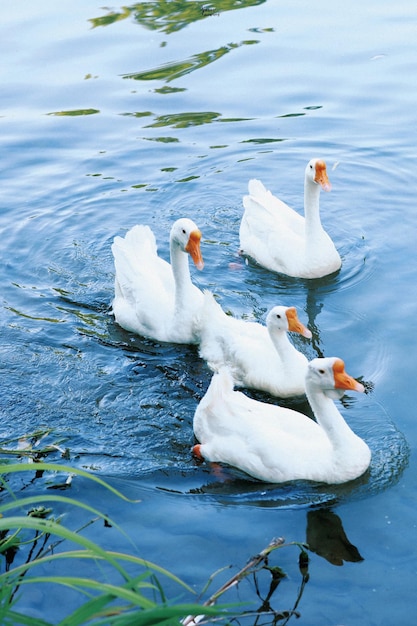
(170,17)
(184,120)
(75,112)
(172,71)
(326,537)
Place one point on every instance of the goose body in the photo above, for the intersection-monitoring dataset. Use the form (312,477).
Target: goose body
(280,239)
(259,357)
(277,444)
(154,298)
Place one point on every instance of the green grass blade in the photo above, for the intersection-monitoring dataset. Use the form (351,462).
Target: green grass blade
(32,500)
(90,554)
(93,610)
(81,584)
(12,618)
(126,616)
(51,527)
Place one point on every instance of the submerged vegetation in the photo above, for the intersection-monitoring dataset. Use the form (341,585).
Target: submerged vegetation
(42,552)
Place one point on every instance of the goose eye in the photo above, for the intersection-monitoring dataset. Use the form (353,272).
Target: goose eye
(321,371)
(184,231)
(278,316)
(311,167)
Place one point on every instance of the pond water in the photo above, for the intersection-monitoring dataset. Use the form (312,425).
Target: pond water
(112,116)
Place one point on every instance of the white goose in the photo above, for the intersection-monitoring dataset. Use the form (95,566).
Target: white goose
(280,239)
(153,298)
(259,357)
(276,444)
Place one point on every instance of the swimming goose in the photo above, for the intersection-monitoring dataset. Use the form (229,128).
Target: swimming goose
(277,444)
(153,298)
(280,239)
(259,357)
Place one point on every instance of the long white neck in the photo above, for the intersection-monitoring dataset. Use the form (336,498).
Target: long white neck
(181,272)
(312,209)
(283,345)
(329,418)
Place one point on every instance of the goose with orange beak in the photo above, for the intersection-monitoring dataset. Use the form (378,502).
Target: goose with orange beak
(154,298)
(280,239)
(277,444)
(259,357)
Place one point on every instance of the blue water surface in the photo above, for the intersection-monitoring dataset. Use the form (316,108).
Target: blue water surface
(112,116)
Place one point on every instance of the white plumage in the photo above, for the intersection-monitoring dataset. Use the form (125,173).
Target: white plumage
(277,444)
(154,298)
(259,357)
(280,239)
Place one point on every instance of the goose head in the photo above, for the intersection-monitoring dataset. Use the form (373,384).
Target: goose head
(328,375)
(186,235)
(316,173)
(284,318)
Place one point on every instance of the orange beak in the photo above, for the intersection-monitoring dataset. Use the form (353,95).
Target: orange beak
(193,249)
(321,177)
(295,325)
(342,380)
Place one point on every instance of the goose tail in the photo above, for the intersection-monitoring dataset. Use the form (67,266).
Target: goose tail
(222,381)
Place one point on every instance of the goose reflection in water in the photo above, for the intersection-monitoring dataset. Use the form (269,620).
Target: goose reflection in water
(326,537)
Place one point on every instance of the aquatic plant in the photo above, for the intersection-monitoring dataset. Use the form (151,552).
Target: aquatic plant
(40,551)
(39,536)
